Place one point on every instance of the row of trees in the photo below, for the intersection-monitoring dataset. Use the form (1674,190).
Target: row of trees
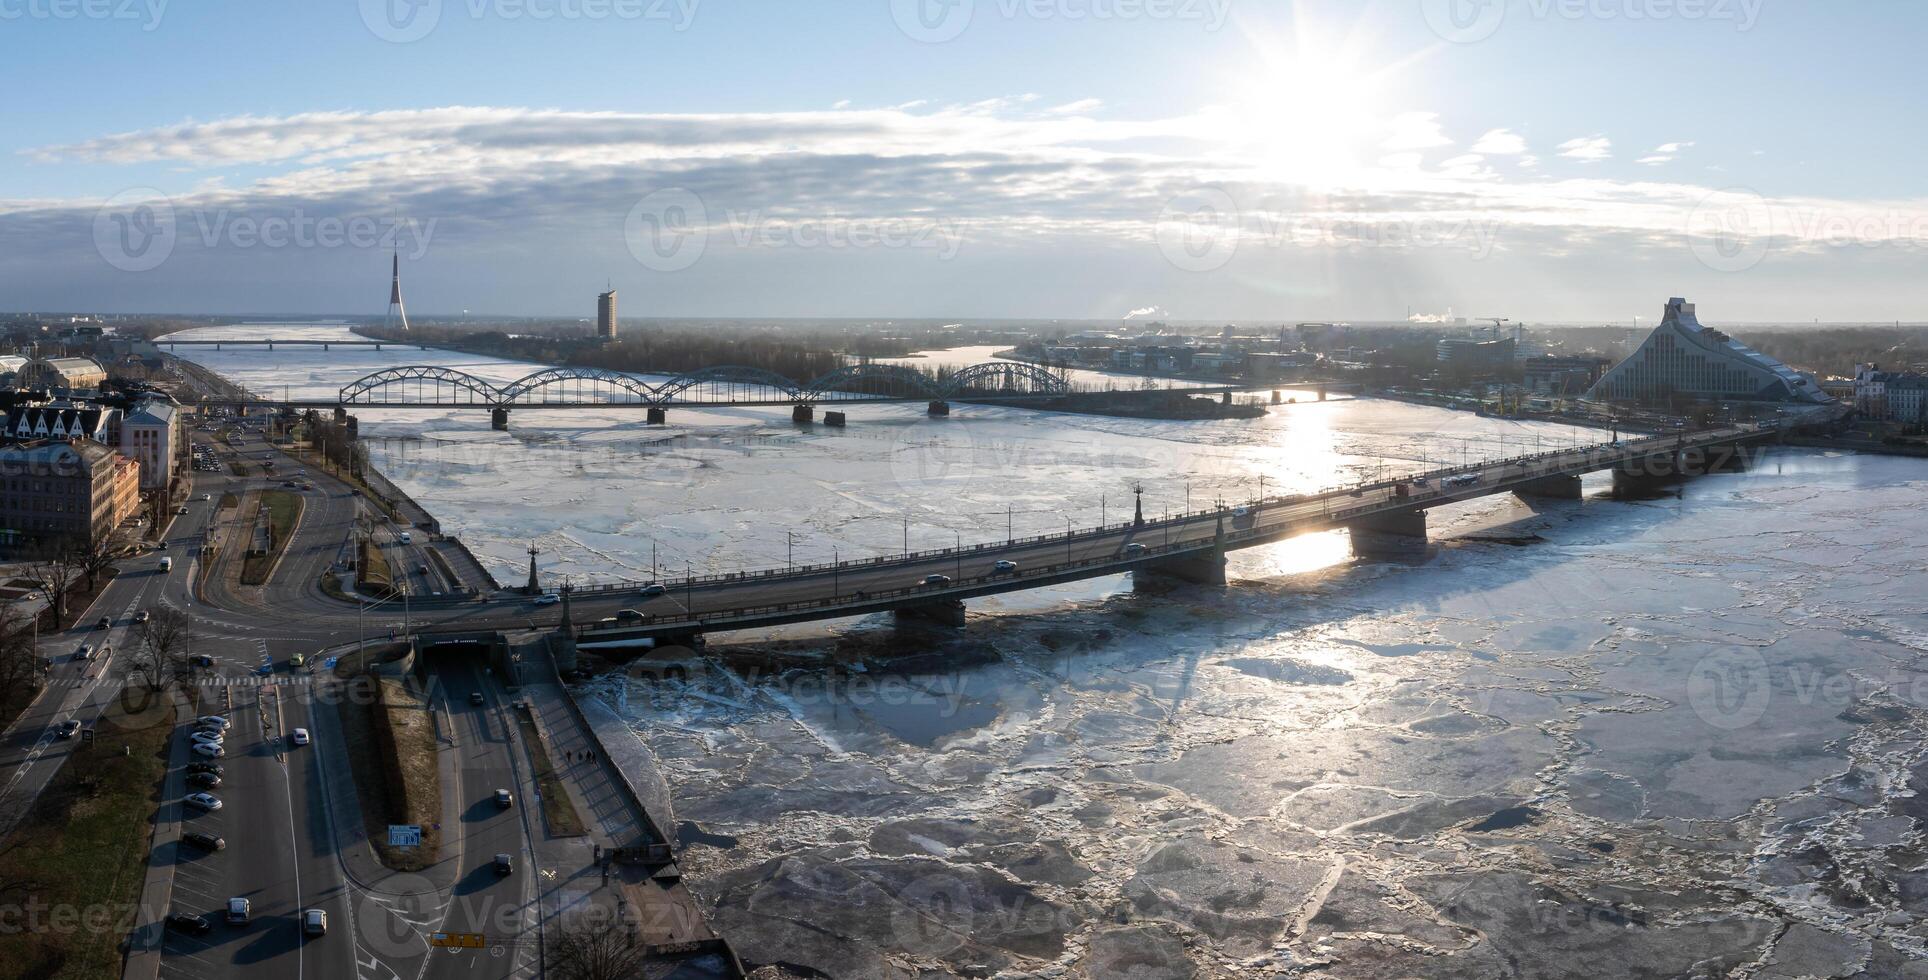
(337,448)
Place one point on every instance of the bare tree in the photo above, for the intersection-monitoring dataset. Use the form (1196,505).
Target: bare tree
(19,661)
(604,952)
(54,571)
(167,643)
(98,556)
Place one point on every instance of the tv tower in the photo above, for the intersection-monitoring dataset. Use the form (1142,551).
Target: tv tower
(395,308)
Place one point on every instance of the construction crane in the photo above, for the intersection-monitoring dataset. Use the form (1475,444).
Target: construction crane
(1497,320)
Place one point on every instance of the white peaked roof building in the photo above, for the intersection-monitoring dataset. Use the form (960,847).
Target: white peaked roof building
(1684,358)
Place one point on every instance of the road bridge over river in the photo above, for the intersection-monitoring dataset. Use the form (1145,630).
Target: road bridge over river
(1385,518)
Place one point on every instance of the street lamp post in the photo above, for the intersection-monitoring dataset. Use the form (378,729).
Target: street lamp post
(1067,539)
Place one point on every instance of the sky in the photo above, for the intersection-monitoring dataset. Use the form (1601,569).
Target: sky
(1234,160)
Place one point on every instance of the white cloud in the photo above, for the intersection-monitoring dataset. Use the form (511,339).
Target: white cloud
(1412,131)
(1500,142)
(1587,149)
(1664,153)
(1075,108)
(840,104)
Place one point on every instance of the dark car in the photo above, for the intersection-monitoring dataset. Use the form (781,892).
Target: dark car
(504,864)
(203,780)
(201,660)
(193,925)
(206,842)
(105,623)
(475,697)
(211,768)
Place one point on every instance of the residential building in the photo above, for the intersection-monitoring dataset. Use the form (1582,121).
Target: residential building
(1891,396)
(63,420)
(150,434)
(1683,359)
(71,493)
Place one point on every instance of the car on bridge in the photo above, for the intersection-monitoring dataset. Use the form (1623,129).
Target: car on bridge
(545,600)
(1004,566)
(937,579)
(652,590)
(1135,549)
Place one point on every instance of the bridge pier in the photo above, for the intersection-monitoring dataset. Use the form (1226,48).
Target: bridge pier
(943,612)
(938,407)
(803,414)
(656,416)
(1200,568)
(834,419)
(1550,488)
(1396,535)
(499,419)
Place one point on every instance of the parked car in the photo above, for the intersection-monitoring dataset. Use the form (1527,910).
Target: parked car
(301,736)
(504,799)
(314,922)
(203,780)
(238,911)
(204,801)
(211,768)
(205,842)
(205,737)
(213,721)
(211,750)
(193,925)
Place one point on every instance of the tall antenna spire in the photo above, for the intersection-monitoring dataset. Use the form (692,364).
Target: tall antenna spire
(395,308)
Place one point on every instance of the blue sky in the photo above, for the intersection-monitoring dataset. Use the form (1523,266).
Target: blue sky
(1212,159)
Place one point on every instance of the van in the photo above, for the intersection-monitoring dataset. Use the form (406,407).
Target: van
(167,564)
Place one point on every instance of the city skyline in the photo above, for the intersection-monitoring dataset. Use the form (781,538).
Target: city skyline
(1211,161)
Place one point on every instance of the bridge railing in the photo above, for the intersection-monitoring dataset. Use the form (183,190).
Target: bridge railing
(1590,457)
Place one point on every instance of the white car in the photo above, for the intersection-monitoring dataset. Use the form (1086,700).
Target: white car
(1005,565)
(211,750)
(213,721)
(203,801)
(546,600)
(206,738)
(301,736)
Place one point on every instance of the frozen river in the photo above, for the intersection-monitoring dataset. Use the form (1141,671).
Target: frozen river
(1679,737)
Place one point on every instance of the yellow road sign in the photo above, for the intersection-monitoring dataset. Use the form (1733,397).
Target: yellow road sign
(458,940)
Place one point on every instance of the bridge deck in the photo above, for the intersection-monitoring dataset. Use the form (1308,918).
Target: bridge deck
(779,596)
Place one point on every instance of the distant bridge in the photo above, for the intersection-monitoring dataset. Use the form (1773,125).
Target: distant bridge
(583,387)
(272,342)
